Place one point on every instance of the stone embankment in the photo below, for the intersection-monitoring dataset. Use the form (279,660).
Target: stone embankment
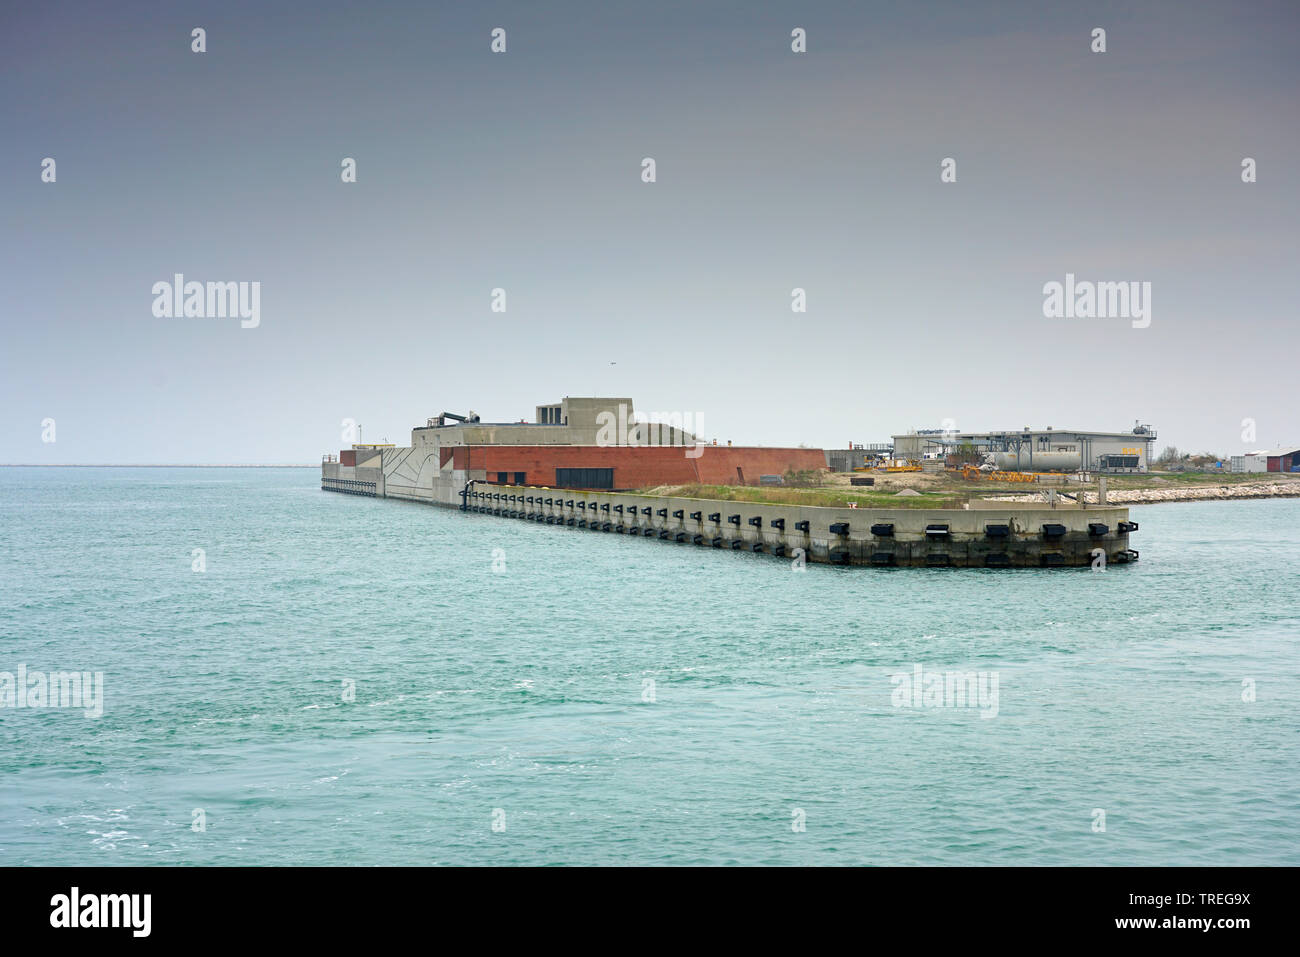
(1150,496)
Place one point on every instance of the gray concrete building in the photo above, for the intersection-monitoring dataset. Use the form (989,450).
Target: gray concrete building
(857,457)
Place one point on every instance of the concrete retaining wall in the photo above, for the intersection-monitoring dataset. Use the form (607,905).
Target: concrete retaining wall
(989,534)
(986,537)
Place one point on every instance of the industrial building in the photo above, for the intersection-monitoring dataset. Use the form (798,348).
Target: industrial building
(857,457)
(1285,459)
(1039,450)
(578,443)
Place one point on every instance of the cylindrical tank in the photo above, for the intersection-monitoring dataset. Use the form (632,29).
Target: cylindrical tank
(1038,462)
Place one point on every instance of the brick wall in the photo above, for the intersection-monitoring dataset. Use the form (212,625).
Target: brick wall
(638,467)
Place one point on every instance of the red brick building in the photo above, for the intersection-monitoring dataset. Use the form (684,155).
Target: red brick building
(622,467)
(578,442)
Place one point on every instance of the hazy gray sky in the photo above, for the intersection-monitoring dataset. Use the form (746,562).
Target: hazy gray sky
(522,171)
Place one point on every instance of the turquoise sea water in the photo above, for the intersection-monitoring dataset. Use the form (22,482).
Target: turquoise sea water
(516,695)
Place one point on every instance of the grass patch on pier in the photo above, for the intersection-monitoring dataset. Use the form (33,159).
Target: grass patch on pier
(949,490)
(826,498)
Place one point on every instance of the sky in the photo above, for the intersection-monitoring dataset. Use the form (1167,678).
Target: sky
(523,171)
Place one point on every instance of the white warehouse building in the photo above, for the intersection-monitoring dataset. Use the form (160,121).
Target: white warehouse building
(1040,450)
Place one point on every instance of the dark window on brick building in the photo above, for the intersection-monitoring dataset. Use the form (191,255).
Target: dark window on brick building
(584,478)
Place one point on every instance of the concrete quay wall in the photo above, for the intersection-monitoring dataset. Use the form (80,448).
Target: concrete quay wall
(989,536)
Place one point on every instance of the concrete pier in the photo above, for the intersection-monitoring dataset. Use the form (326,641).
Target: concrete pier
(987,535)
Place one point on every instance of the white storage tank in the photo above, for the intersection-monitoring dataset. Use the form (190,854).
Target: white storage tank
(1038,461)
